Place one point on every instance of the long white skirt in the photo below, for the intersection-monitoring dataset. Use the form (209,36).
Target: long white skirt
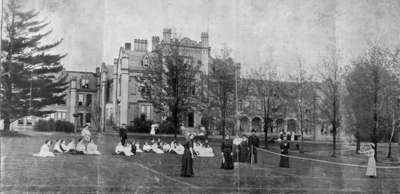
(371,169)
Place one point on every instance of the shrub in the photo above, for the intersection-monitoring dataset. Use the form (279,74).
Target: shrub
(51,125)
(140,125)
(166,126)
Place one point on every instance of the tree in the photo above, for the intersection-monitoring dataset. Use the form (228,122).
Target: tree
(222,88)
(304,91)
(370,83)
(265,80)
(171,82)
(29,78)
(330,99)
(95,111)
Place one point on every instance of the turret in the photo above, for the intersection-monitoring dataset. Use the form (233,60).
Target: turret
(167,32)
(155,41)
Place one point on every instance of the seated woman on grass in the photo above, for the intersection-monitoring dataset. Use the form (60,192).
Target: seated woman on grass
(166,147)
(63,146)
(205,151)
(57,146)
(133,146)
(80,148)
(177,148)
(45,150)
(92,148)
(156,149)
(147,147)
(124,150)
(70,146)
(137,145)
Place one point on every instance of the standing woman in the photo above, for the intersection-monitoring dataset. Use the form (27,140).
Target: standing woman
(371,168)
(187,158)
(284,162)
(226,149)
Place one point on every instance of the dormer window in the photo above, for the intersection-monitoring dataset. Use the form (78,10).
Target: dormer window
(145,62)
(85,83)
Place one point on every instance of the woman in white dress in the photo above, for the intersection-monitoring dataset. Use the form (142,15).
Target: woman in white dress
(155,149)
(166,147)
(71,147)
(137,144)
(124,150)
(91,148)
(371,168)
(147,147)
(45,150)
(80,147)
(86,133)
(57,146)
(63,146)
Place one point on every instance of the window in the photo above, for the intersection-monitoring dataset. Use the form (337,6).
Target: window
(52,116)
(88,99)
(20,122)
(85,83)
(191,119)
(80,99)
(29,120)
(87,117)
(63,115)
(146,110)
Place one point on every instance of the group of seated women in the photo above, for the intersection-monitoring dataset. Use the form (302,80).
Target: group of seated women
(63,146)
(160,147)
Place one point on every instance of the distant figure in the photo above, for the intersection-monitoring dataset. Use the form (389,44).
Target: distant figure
(45,150)
(86,132)
(187,158)
(122,134)
(254,143)
(281,135)
(227,153)
(371,168)
(92,148)
(244,151)
(153,129)
(284,161)
(156,149)
(63,146)
(133,146)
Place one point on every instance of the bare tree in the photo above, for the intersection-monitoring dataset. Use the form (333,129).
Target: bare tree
(265,80)
(330,99)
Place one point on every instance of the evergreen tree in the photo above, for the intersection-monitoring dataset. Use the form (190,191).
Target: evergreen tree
(30,78)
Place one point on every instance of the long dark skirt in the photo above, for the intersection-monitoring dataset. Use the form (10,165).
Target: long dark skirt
(284,162)
(187,164)
(228,164)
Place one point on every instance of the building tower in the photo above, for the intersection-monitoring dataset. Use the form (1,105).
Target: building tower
(205,52)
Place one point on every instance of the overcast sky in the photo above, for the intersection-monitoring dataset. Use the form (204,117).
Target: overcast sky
(281,31)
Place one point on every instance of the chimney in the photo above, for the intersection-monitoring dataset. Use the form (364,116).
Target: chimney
(155,40)
(167,34)
(135,44)
(128,46)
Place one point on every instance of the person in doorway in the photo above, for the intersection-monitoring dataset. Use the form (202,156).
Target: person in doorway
(254,143)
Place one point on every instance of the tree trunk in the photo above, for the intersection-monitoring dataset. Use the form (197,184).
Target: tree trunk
(6,125)
(266,124)
(223,122)
(176,122)
(334,140)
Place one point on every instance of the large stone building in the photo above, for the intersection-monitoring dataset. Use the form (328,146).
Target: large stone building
(122,99)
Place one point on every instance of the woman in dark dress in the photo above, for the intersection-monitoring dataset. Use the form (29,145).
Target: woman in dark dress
(244,150)
(284,162)
(187,158)
(226,149)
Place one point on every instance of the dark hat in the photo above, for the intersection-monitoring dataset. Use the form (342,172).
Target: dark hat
(253,131)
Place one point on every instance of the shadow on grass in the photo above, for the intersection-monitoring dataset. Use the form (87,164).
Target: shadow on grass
(12,134)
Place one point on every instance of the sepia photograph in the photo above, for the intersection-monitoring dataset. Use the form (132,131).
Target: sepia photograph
(200,96)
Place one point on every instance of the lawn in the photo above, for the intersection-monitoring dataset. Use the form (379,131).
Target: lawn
(152,173)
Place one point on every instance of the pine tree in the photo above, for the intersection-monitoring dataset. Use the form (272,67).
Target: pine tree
(30,78)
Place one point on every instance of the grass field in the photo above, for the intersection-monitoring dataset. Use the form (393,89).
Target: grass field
(153,173)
